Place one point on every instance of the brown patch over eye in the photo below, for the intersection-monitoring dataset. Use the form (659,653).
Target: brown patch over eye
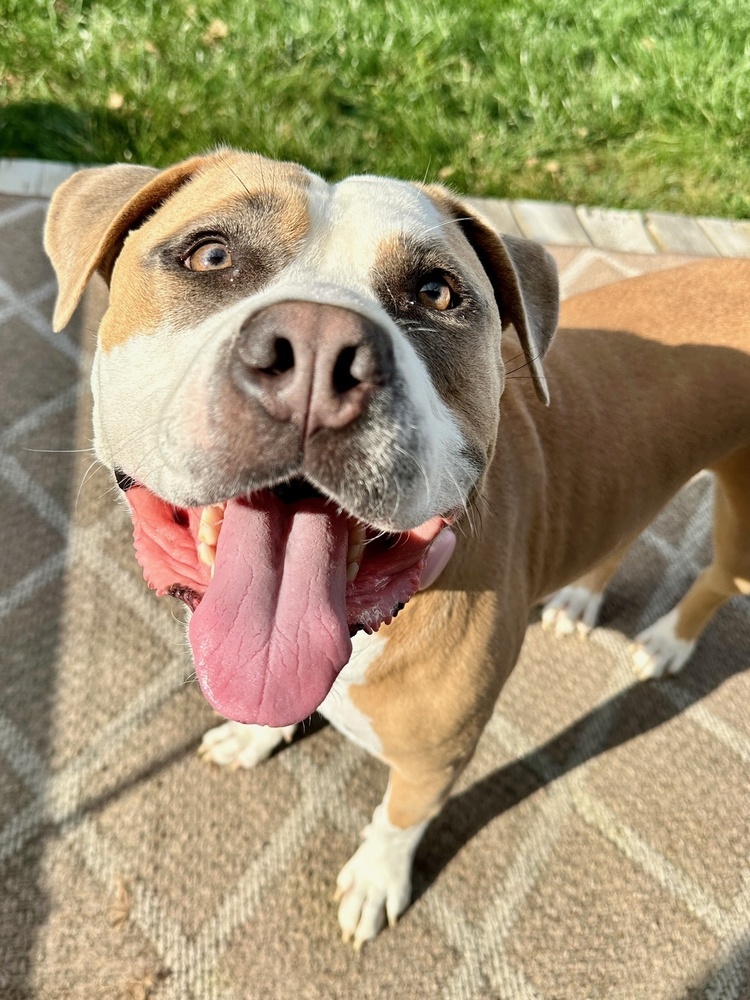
(213,256)
(437,294)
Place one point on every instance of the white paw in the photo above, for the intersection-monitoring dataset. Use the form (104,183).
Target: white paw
(572,611)
(235,745)
(658,651)
(373,885)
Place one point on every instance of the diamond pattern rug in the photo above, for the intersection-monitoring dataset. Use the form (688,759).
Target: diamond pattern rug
(597,847)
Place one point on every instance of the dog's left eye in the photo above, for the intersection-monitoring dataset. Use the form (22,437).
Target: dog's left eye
(213,256)
(437,293)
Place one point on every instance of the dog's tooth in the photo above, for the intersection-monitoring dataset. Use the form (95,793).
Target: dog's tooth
(357,534)
(356,544)
(207,554)
(351,572)
(355,553)
(209,529)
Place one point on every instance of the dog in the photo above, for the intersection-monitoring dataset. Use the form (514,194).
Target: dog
(351,448)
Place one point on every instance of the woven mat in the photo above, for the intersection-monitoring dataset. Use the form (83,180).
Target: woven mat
(597,847)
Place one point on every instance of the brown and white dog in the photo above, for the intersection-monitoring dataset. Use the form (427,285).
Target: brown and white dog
(301,389)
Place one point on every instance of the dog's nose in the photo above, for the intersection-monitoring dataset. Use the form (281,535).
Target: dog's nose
(311,364)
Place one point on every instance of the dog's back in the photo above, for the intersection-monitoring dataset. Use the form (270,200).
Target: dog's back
(702,303)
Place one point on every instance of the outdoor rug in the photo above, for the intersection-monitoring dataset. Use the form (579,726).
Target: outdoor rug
(597,847)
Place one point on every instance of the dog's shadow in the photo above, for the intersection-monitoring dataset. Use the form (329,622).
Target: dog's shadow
(633,712)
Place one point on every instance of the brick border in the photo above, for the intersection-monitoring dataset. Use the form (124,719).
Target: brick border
(614,229)
(549,222)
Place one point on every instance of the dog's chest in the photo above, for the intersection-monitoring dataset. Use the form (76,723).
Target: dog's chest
(338,706)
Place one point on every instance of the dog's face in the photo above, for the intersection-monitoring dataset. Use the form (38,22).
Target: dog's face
(298,386)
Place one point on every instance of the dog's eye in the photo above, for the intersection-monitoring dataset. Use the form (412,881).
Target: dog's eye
(213,256)
(437,293)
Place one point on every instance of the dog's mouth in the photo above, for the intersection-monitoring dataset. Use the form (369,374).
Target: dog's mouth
(279,582)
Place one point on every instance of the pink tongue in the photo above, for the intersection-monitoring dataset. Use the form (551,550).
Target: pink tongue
(270,634)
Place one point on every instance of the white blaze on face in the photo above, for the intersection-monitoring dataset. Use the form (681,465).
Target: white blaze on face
(350,221)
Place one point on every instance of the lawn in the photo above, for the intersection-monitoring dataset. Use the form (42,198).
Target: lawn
(630,103)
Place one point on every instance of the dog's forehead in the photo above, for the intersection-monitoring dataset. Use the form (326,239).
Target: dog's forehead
(343,232)
(230,182)
(348,222)
(372,206)
(383,206)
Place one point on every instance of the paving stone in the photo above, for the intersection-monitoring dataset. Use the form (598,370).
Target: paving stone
(550,222)
(32,177)
(52,176)
(499,212)
(611,229)
(679,234)
(731,239)
(15,177)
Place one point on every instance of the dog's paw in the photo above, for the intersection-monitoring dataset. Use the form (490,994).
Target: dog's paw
(572,611)
(658,650)
(235,745)
(374,885)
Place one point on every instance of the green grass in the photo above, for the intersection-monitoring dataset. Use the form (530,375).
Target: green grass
(632,103)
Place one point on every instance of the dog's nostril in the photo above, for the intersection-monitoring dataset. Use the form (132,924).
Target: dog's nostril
(269,355)
(354,366)
(283,357)
(344,374)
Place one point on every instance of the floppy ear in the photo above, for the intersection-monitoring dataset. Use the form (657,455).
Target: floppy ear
(523,278)
(90,216)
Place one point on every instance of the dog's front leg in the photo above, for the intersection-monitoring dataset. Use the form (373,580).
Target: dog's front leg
(375,884)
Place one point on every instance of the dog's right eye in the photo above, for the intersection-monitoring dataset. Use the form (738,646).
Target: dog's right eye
(213,256)
(437,292)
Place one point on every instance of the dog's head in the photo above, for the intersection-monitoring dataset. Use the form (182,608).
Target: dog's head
(297,385)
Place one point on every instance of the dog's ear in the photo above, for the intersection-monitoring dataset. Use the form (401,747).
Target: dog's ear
(90,216)
(523,277)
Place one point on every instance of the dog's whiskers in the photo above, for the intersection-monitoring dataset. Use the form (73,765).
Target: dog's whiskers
(95,467)
(60,451)
(446,222)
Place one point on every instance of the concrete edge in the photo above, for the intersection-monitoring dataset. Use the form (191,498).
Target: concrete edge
(548,222)
(33,178)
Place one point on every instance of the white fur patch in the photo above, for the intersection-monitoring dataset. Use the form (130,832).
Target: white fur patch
(150,402)
(572,611)
(338,707)
(236,745)
(658,650)
(375,884)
